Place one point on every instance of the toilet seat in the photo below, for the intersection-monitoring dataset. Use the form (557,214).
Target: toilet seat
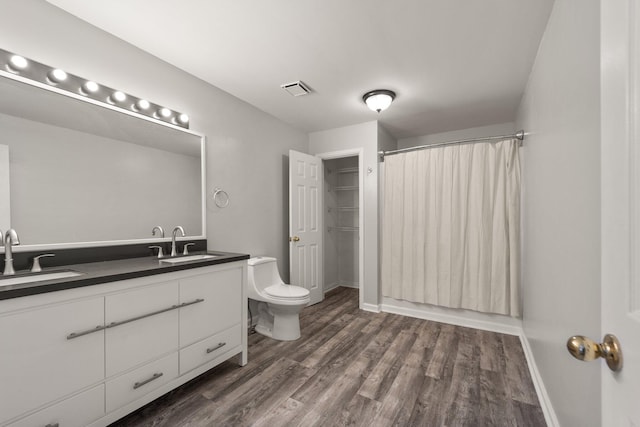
(284,292)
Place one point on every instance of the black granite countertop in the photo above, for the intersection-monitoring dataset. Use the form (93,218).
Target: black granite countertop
(96,273)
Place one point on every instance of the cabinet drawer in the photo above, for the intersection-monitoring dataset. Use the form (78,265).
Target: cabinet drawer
(204,351)
(135,384)
(39,364)
(221,308)
(140,335)
(77,411)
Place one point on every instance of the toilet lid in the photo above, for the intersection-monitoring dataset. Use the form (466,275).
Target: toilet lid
(286,291)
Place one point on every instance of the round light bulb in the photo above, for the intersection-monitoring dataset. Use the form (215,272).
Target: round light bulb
(89,87)
(181,119)
(141,104)
(164,112)
(117,96)
(57,75)
(17,63)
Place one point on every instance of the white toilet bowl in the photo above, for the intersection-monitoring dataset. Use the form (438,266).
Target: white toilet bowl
(279,304)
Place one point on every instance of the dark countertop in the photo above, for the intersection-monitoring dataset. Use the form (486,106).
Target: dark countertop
(96,273)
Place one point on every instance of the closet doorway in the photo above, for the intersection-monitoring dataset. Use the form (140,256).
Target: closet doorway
(326,221)
(341,223)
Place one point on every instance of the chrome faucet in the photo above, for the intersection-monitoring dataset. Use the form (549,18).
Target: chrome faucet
(173,240)
(160,229)
(10,239)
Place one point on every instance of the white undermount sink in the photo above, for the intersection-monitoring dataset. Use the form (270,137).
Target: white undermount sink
(188,258)
(6,281)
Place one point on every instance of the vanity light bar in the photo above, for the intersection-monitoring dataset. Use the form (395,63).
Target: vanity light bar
(41,73)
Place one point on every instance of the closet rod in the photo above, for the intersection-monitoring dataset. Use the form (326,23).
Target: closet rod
(518,135)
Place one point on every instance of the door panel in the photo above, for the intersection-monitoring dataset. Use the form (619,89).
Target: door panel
(620,206)
(305,223)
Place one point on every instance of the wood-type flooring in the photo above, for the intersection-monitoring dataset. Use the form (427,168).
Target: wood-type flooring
(357,368)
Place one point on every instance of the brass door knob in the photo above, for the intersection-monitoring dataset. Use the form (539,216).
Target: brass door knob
(586,349)
(294,239)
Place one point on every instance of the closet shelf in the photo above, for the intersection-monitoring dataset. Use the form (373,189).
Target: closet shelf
(343,208)
(348,170)
(346,188)
(342,228)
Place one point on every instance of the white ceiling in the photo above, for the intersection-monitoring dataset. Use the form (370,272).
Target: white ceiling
(454,64)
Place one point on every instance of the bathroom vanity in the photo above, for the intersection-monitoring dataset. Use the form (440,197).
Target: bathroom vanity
(89,349)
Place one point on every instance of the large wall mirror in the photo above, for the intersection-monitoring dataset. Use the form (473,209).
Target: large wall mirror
(84,174)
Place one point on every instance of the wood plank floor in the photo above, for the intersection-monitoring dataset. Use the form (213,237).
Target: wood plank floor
(356,368)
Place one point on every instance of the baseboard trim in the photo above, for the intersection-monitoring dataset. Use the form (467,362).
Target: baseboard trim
(453,318)
(329,287)
(374,308)
(545,403)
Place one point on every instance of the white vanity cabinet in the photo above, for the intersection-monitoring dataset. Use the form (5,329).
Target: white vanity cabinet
(39,364)
(89,356)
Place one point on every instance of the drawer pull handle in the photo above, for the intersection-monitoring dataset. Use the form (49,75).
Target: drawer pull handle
(53,425)
(153,313)
(147,381)
(212,349)
(184,304)
(133,319)
(73,335)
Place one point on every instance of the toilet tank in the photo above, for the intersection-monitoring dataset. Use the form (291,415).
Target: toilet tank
(263,272)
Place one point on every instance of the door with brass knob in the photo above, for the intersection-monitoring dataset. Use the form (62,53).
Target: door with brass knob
(294,239)
(619,195)
(586,349)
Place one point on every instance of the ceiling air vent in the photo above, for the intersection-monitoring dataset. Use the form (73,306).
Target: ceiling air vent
(296,88)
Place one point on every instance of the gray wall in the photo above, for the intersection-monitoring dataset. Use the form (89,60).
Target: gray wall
(246,149)
(561,207)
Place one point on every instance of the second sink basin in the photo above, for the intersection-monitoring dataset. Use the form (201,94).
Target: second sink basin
(188,258)
(38,277)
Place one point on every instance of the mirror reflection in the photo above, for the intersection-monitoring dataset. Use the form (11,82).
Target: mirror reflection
(80,172)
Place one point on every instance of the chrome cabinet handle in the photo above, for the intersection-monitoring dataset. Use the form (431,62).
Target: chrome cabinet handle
(147,381)
(184,304)
(212,349)
(73,335)
(133,319)
(153,313)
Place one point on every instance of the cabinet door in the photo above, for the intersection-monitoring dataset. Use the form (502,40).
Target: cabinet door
(221,308)
(144,331)
(38,364)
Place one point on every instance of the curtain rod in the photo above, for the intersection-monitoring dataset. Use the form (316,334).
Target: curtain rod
(518,135)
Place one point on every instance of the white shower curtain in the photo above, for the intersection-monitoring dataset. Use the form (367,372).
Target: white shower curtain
(451,227)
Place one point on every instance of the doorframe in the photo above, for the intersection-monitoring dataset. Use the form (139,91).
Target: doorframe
(330,155)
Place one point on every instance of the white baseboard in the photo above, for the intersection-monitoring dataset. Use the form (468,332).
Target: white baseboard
(545,403)
(459,317)
(349,284)
(375,308)
(329,287)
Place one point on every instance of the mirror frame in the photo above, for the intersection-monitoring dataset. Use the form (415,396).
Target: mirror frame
(117,110)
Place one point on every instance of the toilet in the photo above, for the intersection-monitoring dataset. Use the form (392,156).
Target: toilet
(279,304)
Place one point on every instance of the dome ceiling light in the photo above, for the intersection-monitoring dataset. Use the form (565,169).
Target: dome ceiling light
(379,100)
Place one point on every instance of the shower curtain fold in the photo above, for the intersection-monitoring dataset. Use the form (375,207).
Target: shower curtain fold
(451,227)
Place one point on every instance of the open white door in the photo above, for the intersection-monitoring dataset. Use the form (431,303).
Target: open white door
(305,223)
(621,206)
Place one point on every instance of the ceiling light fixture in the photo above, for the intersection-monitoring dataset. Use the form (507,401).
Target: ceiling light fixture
(379,99)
